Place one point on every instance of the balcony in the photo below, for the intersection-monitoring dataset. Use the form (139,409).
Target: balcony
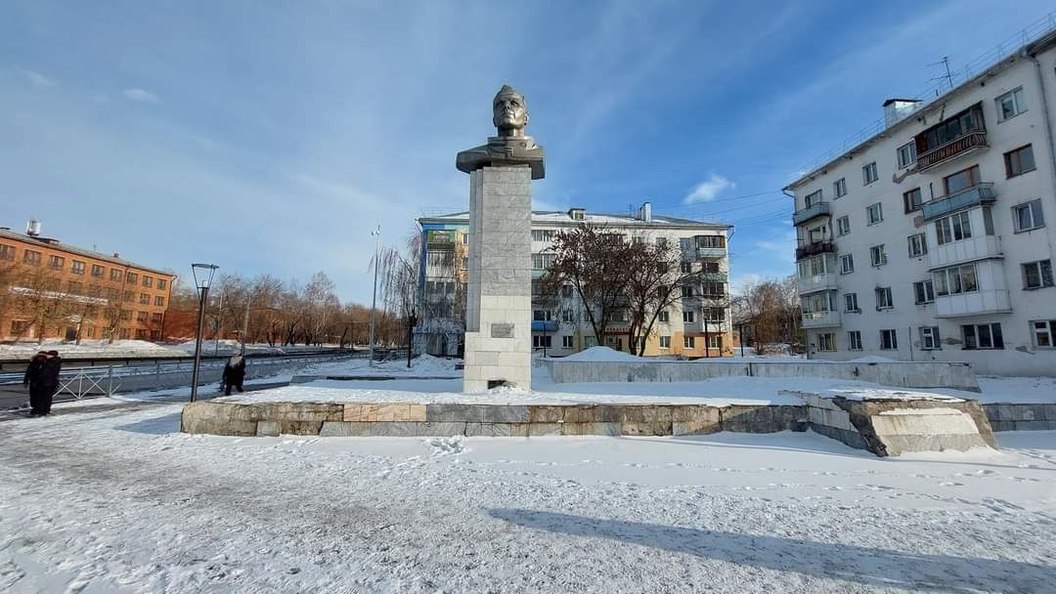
(972,304)
(966,250)
(818,282)
(821,319)
(979,194)
(717,277)
(820,209)
(705,253)
(813,249)
(963,145)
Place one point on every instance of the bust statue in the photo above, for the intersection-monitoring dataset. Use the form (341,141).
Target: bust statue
(511,146)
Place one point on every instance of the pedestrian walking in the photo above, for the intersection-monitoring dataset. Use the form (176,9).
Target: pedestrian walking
(234,373)
(42,379)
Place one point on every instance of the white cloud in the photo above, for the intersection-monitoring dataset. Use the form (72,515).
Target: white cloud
(781,247)
(708,190)
(38,79)
(141,95)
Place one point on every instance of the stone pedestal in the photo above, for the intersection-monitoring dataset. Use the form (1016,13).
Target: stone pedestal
(499,300)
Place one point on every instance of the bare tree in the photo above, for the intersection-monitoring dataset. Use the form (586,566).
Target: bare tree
(655,277)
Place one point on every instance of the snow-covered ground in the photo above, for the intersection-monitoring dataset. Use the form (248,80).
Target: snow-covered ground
(119,501)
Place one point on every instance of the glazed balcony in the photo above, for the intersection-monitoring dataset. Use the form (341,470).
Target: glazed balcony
(820,209)
(979,247)
(815,283)
(821,319)
(963,145)
(977,195)
(815,248)
(983,301)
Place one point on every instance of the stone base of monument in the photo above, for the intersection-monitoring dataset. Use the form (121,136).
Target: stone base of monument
(895,426)
(883,427)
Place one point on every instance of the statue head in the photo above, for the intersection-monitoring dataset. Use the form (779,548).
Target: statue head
(509,112)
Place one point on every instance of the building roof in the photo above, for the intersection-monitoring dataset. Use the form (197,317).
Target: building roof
(1040,42)
(563,218)
(6,233)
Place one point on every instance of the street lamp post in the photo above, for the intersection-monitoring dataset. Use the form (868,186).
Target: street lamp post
(203,277)
(374,300)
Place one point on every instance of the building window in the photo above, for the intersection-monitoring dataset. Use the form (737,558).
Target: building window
(715,315)
(665,342)
(956,280)
(155,318)
(162,284)
(148,281)
(907,154)
(541,315)
(159,301)
(541,341)
(869,174)
(877,255)
(839,187)
(131,278)
(115,274)
(709,267)
(1019,161)
(689,316)
(813,199)
(954,127)
(912,200)
(685,267)
(854,340)
(1042,333)
(542,234)
(843,225)
(97,271)
(923,292)
(144,299)
(7,252)
(962,180)
(1037,274)
(126,314)
(883,298)
(75,288)
(889,340)
(687,291)
(542,261)
(31,257)
(918,245)
(953,228)
(56,262)
(688,342)
(875,213)
(982,336)
(846,264)
(715,341)
(1028,216)
(850,302)
(130,296)
(19,327)
(1010,104)
(827,342)
(77,267)
(713,289)
(929,338)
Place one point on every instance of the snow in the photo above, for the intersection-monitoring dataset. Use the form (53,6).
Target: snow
(1021,390)
(102,348)
(119,501)
(602,353)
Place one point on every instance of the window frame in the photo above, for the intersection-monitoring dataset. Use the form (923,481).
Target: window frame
(830,339)
(1049,327)
(924,292)
(889,336)
(996,339)
(846,263)
(877,255)
(909,205)
(1014,160)
(885,299)
(843,226)
(904,160)
(1037,215)
(930,340)
(870,220)
(870,173)
(921,241)
(854,340)
(1016,95)
(848,300)
(688,342)
(839,187)
(1044,274)
(665,341)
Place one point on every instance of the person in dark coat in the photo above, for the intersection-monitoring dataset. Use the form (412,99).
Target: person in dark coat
(42,379)
(234,373)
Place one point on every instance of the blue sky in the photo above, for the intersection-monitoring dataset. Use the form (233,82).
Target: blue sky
(273,136)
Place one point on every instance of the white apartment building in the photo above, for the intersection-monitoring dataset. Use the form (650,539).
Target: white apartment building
(697,326)
(934,239)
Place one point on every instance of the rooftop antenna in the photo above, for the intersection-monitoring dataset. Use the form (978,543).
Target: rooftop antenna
(947,77)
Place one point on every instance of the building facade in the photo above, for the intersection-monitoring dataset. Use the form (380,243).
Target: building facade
(934,239)
(49,289)
(698,325)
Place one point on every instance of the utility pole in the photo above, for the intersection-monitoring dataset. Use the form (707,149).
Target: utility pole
(219,321)
(245,327)
(374,300)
